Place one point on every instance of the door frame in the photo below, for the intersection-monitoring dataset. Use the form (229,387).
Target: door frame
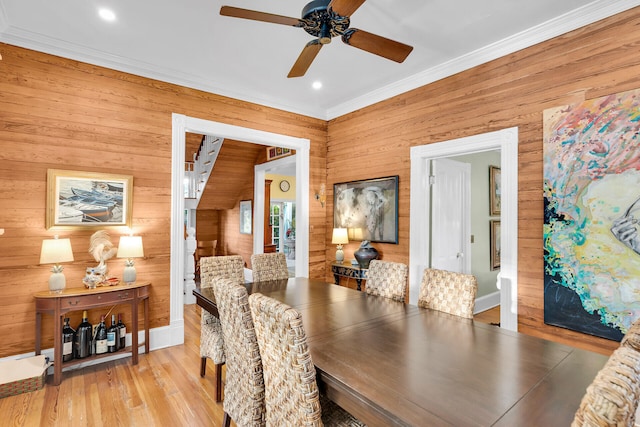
(182,124)
(506,141)
(302,219)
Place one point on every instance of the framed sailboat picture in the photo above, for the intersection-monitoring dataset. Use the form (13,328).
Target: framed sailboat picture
(87,199)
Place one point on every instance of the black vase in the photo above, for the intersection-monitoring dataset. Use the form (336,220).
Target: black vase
(365,254)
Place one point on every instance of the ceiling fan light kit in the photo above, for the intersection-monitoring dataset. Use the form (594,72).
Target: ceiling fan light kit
(326,19)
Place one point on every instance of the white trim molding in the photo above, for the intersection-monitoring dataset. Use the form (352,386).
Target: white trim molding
(506,141)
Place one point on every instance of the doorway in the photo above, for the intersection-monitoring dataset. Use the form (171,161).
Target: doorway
(419,251)
(182,124)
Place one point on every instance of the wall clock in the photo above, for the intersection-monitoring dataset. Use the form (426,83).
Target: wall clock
(284,185)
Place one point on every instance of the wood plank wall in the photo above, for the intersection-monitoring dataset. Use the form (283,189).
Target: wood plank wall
(59,113)
(597,60)
(63,114)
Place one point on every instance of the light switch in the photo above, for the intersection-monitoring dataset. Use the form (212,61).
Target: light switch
(472,238)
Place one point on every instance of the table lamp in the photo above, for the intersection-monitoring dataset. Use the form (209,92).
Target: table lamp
(55,251)
(130,247)
(340,237)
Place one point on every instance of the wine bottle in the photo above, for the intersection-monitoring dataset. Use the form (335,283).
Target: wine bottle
(83,338)
(122,332)
(68,338)
(112,336)
(101,337)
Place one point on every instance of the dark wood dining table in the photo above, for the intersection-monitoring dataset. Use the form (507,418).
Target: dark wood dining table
(390,363)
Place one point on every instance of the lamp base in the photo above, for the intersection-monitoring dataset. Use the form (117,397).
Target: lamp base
(129,275)
(57,283)
(339,254)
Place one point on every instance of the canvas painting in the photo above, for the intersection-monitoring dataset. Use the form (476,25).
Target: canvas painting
(368,209)
(591,212)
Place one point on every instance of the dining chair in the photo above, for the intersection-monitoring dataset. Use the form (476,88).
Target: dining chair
(447,291)
(291,392)
(271,266)
(244,384)
(211,342)
(632,337)
(612,398)
(204,248)
(387,279)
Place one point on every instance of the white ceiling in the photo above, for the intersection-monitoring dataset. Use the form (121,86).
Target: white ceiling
(190,44)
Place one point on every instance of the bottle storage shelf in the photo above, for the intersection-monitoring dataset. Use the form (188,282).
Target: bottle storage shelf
(76,299)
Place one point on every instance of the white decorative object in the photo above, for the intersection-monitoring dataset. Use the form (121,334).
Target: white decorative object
(55,251)
(130,247)
(102,249)
(340,237)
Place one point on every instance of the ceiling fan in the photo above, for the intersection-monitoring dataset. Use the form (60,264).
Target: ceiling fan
(325,19)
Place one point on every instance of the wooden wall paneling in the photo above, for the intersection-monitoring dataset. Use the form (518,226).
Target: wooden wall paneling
(59,113)
(510,91)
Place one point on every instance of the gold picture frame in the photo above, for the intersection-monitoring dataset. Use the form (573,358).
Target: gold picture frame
(495,190)
(80,199)
(494,241)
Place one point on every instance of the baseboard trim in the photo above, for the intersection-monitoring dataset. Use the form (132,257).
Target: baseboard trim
(487,302)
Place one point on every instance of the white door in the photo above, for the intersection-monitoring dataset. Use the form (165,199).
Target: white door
(450,215)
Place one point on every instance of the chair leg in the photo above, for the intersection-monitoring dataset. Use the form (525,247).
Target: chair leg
(218,371)
(203,366)
(226,420)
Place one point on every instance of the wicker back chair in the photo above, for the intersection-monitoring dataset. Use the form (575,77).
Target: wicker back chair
(272,266)
(387,279)
(612,398)
(211,344)
(453,293)
(632,337)
(244,385)
(291,392)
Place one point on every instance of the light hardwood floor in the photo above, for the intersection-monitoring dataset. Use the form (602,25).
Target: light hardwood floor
(164,389)
(491,316)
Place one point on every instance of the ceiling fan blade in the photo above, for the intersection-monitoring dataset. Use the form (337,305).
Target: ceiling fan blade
(345,7)
(305,59)
(236,12)
(377,45)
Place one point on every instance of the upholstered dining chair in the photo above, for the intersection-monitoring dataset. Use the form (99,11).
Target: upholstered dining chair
(447,291)
(612,398)
(244,384)
(291,392)
(211,344)
(387,279)
(271,266)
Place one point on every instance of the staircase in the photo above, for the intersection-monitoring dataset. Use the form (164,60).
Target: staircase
(198,171)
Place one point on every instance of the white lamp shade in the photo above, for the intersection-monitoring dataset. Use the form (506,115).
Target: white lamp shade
(340,236)
(130,247)
(55,251)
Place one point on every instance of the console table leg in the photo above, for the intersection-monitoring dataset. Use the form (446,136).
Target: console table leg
(57,349)
(336,277)
(134,331)
(147,343)
(38,331)
(359,283)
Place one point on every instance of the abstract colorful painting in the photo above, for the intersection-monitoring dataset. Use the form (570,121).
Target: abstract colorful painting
(591,212)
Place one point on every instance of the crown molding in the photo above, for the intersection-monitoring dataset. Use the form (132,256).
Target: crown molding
(35,41)
(563,24)
(593,12)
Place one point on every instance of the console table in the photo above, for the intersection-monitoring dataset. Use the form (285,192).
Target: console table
(77,299)
(350,271)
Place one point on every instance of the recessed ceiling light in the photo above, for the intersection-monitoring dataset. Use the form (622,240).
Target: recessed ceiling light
(317,85)
(107,14)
